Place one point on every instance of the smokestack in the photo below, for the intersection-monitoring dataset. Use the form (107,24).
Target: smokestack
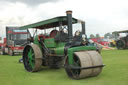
(69,19)
(83,27)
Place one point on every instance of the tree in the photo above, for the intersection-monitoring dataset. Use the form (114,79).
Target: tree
(107,35)
(97,36)
(115,36)
(92,36)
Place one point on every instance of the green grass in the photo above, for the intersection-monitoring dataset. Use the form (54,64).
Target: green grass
(114,73)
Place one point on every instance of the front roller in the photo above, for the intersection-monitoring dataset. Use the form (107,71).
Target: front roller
(32,58)
(86,64)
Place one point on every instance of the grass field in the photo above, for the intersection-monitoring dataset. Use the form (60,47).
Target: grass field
(114,73)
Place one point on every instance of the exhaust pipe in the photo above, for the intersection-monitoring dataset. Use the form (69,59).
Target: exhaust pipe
(83,28)
(69,19)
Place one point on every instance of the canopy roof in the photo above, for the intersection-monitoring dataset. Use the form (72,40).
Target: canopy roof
(49,23)
(124,31)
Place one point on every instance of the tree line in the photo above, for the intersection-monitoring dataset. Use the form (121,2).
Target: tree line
(106,36)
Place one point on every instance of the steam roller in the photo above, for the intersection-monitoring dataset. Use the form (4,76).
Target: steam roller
(60,48)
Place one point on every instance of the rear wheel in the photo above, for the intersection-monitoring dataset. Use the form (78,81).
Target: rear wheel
(81,60)
(32,58)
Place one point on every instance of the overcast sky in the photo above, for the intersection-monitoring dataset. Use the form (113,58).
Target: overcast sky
(101,16)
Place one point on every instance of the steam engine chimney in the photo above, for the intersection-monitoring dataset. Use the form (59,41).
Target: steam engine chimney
(69,19)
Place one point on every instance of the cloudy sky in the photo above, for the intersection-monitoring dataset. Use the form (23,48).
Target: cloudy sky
(101,16)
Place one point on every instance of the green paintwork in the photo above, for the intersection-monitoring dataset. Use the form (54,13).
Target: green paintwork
(50,43)
(31,58)
(57,47)
(31,54)
(59,50)
(77,49)
(49,23)
(36,41)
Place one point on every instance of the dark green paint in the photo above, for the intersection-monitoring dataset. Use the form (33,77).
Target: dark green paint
(54,22)
(31,58)
(59,50)
(50,43)
(36,41)
(58,47)
(77,49)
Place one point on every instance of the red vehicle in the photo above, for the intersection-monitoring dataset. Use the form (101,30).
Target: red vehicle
(101,41)
(1,44)
(15,41)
